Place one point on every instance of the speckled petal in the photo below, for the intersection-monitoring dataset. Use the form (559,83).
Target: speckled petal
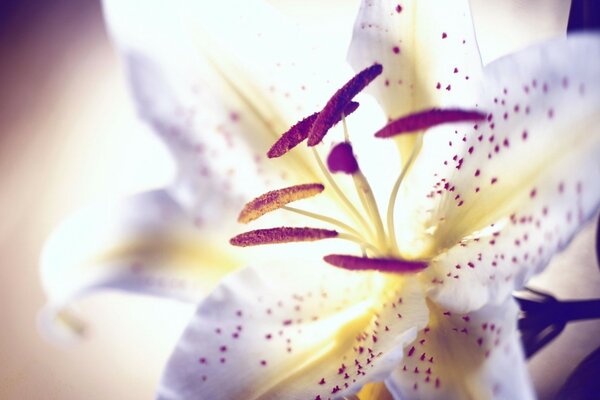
(427,49)
(506,195)
(143,244)
(295,331)
(465,356)
(220,82)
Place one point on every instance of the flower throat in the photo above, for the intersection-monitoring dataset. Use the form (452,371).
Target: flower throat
(377,243)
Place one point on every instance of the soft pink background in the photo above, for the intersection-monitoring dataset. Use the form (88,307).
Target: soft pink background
(66,133)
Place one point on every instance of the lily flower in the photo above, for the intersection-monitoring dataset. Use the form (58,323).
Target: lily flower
(295,328)
(501,177)
(217,97)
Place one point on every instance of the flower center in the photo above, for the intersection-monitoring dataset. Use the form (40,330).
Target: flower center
(377,242)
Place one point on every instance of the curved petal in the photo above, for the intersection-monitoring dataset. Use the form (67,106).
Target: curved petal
(294,331)
(428,52)
(144,244)
(465,356)
(524,183)
(427,49)
(221,87)
(508,194)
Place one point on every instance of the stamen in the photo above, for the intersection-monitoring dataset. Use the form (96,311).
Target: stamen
(354,263)
(281,235)
(394,194)
(299,132)
(427,119)
(276,199)
(339,101)
(341,159)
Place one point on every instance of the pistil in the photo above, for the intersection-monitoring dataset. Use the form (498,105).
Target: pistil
(340,194)
(370,204)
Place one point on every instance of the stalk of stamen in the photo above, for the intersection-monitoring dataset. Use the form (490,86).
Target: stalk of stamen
(323,218)
(365,193)
(394,195)
(345,126)
(363,245)
(426,119)
(340,194)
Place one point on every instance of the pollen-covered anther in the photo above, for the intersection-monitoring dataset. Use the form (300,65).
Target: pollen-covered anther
(394,265)
(281,235)
(338,102)
(276,199)
(428,119)
(299,132)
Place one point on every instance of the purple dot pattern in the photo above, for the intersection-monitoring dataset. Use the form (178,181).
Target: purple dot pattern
(288,317)
(511,191)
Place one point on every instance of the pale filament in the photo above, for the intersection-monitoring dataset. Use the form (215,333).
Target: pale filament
(365,193)
(394,194)
(364,245)
(351,234)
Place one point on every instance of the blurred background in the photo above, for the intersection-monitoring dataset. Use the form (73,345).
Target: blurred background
(67,128)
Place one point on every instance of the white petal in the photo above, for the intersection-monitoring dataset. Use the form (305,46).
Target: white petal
(144,244)
(508,195)
(220,81)
(294,331)
(465,356)
(427,49)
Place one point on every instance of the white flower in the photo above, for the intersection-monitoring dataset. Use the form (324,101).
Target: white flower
(479,210)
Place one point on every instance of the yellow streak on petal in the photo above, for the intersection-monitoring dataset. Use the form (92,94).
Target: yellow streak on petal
(374,391)
(330,339)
